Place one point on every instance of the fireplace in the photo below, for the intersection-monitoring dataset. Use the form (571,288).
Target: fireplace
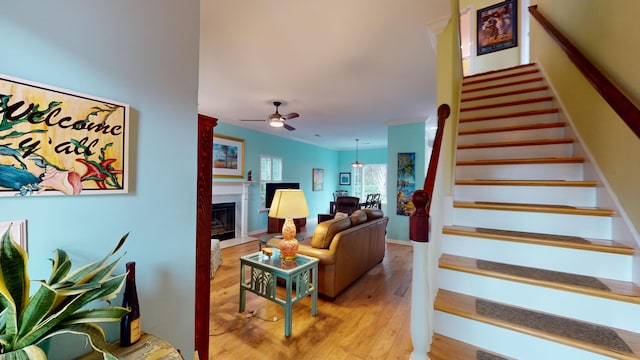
(223,220)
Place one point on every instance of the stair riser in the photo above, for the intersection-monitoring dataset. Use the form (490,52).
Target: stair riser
(618,314)
(518,172)
(466,85)
(469,92)
(520,135)
(503,341)
(548,195)
(504,98)
(598,227)
(510,121)
(507,109)
(516,152)
(581,262)
(510,71)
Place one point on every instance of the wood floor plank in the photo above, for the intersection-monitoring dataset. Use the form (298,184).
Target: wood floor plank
(369,320)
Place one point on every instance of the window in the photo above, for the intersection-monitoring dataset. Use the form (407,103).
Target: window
(270,171)
(370,179)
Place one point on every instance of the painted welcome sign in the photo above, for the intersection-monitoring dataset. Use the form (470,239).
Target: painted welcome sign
(58,142)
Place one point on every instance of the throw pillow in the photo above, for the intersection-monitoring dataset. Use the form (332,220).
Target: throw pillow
(358,217)
(340,215)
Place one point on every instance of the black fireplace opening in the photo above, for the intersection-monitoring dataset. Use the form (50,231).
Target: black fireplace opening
(223,221)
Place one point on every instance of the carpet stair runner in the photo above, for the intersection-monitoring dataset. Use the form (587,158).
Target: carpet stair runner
(530,268)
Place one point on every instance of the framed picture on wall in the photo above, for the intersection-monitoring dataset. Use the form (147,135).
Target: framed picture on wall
(318,179)
(497,27)
(345,178)
(228,157)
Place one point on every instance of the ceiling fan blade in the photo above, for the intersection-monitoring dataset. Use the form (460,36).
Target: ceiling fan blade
(290,116)
(289,127)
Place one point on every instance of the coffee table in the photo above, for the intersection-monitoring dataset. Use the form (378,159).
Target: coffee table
(263,273)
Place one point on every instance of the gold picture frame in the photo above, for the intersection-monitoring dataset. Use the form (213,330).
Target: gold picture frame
(228,157)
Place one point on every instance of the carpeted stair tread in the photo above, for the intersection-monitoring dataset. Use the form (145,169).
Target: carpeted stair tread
(545,208)
(608,341)
(446,348)
(574,242)
(594,286)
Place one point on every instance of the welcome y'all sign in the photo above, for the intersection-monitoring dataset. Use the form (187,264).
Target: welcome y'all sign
(58,142)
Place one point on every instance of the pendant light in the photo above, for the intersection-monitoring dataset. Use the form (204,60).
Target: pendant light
(357,164)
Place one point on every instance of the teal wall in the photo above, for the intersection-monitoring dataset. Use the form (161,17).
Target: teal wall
(144,54)
(403,139)
(298,160)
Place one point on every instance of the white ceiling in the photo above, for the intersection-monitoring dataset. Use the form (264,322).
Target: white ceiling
(348,67)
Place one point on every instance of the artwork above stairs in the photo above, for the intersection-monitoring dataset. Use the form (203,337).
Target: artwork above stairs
(534,265)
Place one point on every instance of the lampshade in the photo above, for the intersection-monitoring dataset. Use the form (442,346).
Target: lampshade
(289,203)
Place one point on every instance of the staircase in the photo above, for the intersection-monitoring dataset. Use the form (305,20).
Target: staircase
(530,268)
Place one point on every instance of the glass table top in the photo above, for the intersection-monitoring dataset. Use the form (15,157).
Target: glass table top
(277,262)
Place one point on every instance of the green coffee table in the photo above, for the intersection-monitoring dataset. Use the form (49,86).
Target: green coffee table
(300,277)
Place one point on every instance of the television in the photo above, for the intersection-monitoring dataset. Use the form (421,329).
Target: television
(272,187)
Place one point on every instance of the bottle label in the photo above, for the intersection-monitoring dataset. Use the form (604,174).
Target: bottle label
(135,330)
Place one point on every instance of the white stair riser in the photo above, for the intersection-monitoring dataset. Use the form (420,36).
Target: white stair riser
(598,227)
(618,314)
(517,172)
(516,152)
(548,195)
(511,71)
(504,122)
(580,262)
(506,342)
(467,85)
(520,135)
(507,109)
(468,91)
(504,98)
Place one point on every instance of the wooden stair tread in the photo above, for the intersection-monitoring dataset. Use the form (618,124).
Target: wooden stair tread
(618,290)
(472,81)
(513,128)
(497,71)
(554,209)
(508,103)
(446,348)
(517,143)
(567,183)
(513,83)
(608,246)
(529,161)
(510,115)
(465,306)
(506,93)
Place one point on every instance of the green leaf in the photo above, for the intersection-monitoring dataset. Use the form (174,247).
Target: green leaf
(93,332)
(32,352)
(105,314)
(40,305)
(61,264)
(14,280)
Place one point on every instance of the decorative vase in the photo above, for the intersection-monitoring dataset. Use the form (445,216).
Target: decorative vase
(31,352)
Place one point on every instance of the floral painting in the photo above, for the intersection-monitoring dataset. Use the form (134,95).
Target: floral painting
(406,183)
(59,142)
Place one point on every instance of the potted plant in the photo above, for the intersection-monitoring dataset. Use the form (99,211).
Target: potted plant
(58,306)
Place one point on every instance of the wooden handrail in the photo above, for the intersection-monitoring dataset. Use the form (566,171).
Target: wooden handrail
(619,102)
(419,221)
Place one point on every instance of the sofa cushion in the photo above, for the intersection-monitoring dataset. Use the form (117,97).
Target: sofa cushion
(340,215)
(373,214)
(358,217)
(326,230)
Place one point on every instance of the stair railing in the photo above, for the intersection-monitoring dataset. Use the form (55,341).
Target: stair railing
(419,221)
(619,102)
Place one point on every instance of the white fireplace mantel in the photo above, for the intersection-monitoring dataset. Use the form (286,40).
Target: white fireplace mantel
(237,189)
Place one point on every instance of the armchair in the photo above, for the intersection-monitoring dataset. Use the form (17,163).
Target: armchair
(343,204)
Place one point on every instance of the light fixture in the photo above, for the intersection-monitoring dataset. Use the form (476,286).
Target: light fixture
(275,120)
(288,204)
(357,164)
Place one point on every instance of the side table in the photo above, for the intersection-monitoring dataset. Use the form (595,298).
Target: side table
(148,347)
(264,272)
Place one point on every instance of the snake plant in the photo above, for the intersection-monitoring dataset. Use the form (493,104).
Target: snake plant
(59,305)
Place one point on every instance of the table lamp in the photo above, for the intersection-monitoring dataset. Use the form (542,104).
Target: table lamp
(288,204)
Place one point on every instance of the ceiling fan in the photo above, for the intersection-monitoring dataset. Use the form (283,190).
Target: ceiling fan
(277,120)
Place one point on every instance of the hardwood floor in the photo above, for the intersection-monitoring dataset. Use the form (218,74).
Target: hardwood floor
(369,320)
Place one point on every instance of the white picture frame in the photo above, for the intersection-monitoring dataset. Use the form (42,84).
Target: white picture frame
(18,230)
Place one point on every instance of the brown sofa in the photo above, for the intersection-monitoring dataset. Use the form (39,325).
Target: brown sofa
(346,247)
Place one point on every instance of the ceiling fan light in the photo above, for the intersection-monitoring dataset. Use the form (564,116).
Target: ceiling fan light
(276,122)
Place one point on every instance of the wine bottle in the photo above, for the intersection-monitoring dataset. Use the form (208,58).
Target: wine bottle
(130,323)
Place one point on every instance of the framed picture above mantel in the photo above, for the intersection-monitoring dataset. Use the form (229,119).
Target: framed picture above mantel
(228,157)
